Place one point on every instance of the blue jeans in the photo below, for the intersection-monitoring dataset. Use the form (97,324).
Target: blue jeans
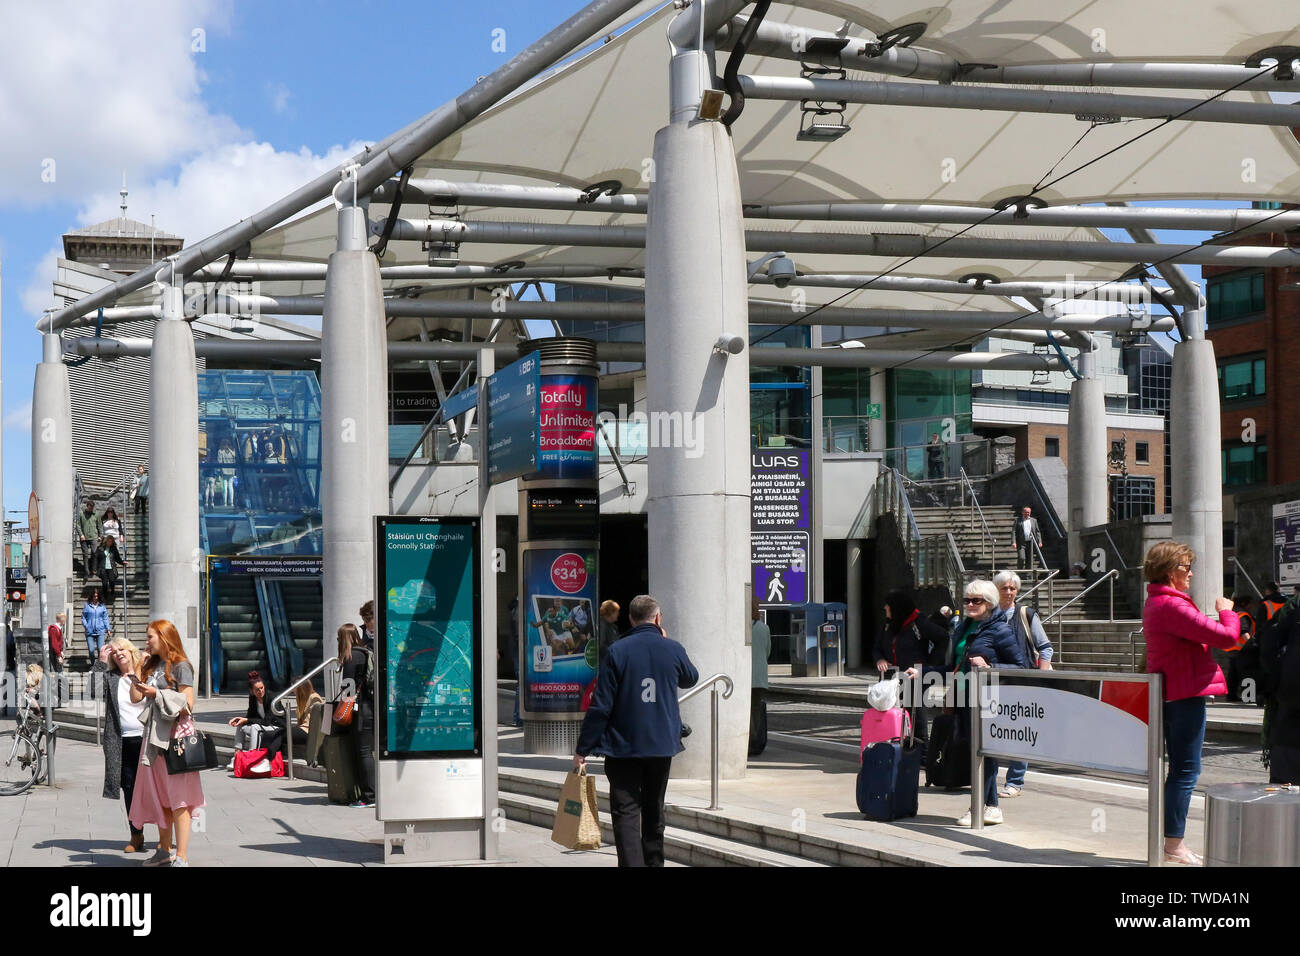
(93,643)
(990,782)
(1184,737)
(1016,773)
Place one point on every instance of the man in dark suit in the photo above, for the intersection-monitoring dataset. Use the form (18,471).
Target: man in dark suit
(633,721)
(1027,535)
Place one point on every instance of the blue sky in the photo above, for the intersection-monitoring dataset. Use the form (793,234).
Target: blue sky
(212,108)
(287,88)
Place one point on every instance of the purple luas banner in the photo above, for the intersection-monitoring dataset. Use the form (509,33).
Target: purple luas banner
(781,525)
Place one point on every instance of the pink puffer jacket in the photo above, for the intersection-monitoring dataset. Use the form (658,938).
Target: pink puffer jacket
(1179,638)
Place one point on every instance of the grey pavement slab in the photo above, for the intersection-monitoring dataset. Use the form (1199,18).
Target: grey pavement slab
(245,823)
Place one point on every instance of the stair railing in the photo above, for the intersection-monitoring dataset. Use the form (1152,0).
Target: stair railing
(977,510)
(1258,593)
(1051,594)
(711,684)
(1132,650)
(278,707)
(1109,577)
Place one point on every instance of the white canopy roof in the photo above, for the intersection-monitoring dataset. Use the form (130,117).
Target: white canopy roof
(594,119)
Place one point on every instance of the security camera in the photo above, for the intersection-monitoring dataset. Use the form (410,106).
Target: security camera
(729,344)
(781,271)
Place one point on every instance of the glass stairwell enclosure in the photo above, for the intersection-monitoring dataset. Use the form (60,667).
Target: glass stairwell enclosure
(260,524)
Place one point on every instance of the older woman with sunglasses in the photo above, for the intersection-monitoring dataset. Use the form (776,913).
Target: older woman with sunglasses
(1179,638)
(986,640)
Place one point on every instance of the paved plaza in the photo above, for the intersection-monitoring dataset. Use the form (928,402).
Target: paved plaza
(245,823)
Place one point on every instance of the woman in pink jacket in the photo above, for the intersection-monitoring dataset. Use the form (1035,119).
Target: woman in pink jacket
(1178,638)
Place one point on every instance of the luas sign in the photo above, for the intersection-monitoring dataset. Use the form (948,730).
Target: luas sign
(780,524)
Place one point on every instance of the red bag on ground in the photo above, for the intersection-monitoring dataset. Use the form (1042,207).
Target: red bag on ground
(253,764)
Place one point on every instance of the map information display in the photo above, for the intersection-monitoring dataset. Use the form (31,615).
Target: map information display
(427,685)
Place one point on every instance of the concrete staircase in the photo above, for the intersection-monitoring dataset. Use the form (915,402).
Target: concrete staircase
(1090,634)
(129,613)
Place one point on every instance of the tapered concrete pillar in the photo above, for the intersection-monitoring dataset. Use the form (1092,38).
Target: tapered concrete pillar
(1088,451)
(174,556)
(698,502)
(354,423)
(52,477)
(1195,443)
(876,434)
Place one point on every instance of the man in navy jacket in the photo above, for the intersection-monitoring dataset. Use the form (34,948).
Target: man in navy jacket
(633,721)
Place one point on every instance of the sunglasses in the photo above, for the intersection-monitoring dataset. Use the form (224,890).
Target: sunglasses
(967,600)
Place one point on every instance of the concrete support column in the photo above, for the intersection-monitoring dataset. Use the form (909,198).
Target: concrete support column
(698,501)
(1194,443)
(174,555)
(354,423)
(876,433)
(1086,477)
(52,477)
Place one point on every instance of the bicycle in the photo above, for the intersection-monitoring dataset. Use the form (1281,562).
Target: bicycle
(23,750)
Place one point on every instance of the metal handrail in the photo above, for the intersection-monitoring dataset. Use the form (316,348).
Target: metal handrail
(993,543)
(900,480)
(1258,593)
(1047,580)
(1108,576)
(711,683)
(1114,547)
(1132,650)
(1041,492)
(277,707)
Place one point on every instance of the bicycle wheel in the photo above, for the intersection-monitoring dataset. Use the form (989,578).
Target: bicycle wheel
(20,763)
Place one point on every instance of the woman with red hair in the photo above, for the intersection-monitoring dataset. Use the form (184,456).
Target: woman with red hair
(166,800)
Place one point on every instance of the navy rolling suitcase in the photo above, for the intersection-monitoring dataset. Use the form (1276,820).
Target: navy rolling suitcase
(889,779)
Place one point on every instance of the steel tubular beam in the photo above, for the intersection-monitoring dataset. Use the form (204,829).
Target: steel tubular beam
(380,161)
(520,197)
(1126,106)
(606,351)
(787,41)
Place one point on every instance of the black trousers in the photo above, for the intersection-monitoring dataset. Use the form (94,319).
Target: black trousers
(130,762)
(637,786)
(363,743)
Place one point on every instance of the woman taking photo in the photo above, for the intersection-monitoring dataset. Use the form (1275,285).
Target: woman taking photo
(162,798)
(123,732)
(354,666)
(1179,638)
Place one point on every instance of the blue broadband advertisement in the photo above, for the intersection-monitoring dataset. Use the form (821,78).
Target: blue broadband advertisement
(558,618)
(429,654)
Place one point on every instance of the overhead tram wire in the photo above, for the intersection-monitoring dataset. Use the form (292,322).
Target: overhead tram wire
(803,317)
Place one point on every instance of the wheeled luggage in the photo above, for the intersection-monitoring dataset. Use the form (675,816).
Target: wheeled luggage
(879,726)
(340,770)
(947,757)
(889,779)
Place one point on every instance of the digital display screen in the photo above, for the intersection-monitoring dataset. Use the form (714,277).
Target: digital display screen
(429,649)
(562,513)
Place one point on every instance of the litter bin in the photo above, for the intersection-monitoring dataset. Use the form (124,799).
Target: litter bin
(1252,824)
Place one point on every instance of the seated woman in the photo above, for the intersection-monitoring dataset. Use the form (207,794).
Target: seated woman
(257,728)
(306,697)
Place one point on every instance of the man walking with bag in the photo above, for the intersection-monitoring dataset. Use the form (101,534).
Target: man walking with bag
(633,721)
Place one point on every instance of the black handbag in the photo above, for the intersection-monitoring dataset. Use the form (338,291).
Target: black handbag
(195,751)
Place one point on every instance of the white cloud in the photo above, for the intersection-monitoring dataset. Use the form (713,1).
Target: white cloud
(280,96)
(20,419)
(90,89)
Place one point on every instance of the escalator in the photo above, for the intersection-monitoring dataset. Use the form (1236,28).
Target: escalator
(302,604)
(239,627)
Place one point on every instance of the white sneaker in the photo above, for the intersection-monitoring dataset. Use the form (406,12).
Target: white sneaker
(1009,791)
(992,815)
(965,820)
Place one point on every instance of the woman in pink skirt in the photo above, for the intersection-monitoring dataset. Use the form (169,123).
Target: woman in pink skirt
(164,799)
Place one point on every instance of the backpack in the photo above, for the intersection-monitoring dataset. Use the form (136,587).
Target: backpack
(1026,614)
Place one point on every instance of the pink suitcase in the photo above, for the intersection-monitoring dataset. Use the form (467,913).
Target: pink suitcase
(882,726)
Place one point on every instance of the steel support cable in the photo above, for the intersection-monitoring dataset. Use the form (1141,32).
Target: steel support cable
(394,209)
(730,81)
(1038,188)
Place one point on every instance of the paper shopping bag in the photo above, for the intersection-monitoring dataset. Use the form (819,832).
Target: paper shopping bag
(576,824)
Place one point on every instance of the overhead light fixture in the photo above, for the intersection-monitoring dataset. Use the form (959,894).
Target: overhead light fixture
(729,345)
